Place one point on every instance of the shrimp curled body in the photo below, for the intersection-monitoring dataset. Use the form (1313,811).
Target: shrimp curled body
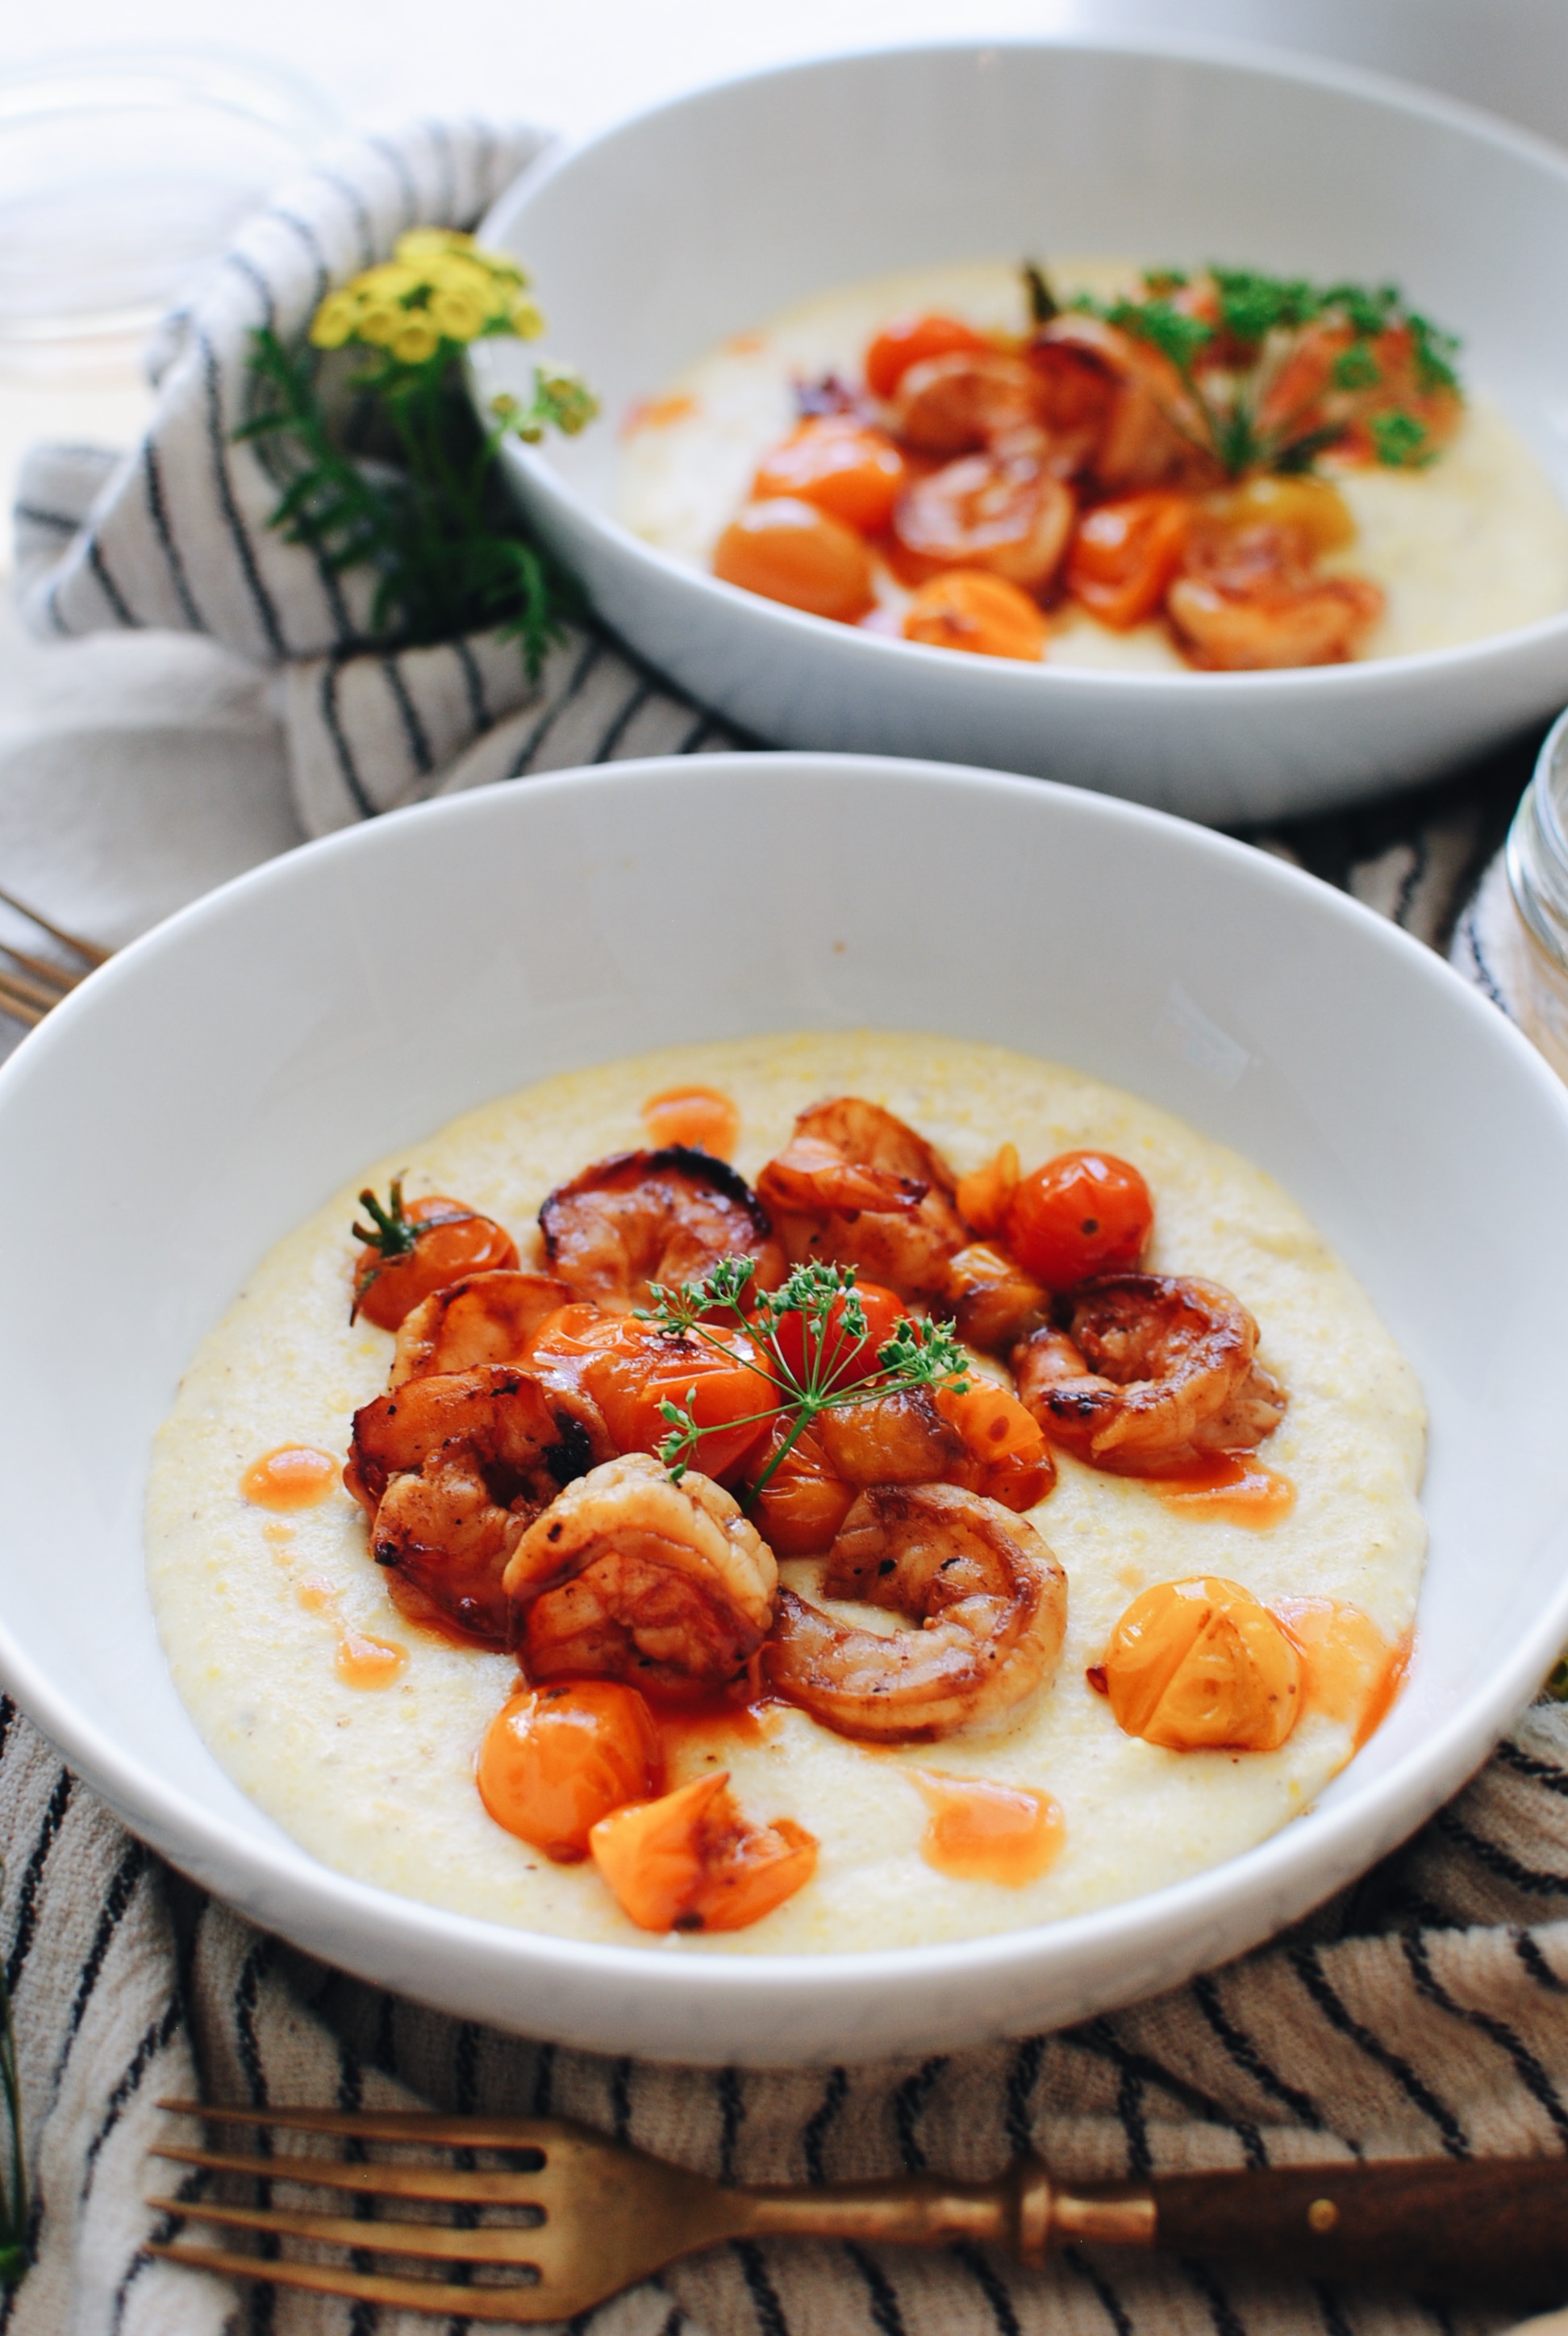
(1156,1372)
(487,1318)
(988,1594)
(856,1186)
(630,1576)
(641,1217)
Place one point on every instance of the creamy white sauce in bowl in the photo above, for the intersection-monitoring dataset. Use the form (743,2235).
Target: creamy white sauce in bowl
(377,1781)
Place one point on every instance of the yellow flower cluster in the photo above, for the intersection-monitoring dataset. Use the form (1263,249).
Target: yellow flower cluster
(438,285)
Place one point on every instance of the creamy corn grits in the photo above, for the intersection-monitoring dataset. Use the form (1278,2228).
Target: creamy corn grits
(379,1783)
(1477,544)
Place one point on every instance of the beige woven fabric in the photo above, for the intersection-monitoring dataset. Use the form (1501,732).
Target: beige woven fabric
(1424,2013)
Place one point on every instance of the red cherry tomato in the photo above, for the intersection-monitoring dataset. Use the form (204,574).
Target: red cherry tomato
(910,340)
(449,1240)
(555,1759)
(630,1369)
(844,1361)
(1083,1213)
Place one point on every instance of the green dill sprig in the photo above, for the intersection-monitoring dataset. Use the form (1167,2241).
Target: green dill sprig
(832,1328)
(1228,358)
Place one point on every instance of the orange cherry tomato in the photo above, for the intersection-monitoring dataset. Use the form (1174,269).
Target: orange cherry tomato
(629,1369)
(1008,1458)
(421,1247)
(556,1759)
(692,1862)
(841,466)
(1201,1666)
(1083,1213)
(1125,556)
(786,550)
(799,1511)
(840,1360)
(910,340)
(969,610)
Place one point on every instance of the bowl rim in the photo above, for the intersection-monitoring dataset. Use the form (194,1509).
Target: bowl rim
(663,569)
(1384,1812)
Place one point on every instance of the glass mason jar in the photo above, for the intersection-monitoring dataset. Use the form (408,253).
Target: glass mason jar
(1537,864)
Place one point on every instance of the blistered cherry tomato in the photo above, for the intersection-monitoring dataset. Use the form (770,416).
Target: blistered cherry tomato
(1083,1213)
(630,1369)
(1008,1459)
(910,340)
(555,1759)
(1126,555)
(786,550)
(420,1247)
(969,610)
(840,465)
(800,1509)
(838,1360)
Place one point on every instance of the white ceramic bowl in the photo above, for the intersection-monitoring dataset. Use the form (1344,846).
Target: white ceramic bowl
(196,1099)
(661,237)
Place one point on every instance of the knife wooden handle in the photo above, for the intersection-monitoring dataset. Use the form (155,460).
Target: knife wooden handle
(1495,2228)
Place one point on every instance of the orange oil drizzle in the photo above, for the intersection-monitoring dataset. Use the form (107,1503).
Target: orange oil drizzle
(1349,1672)
(1232,1488)
(657,414)
(360,1659)
(293,1477)
(697,1115)
(984,1832)
(695,1736)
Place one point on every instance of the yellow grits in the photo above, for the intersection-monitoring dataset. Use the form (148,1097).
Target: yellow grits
(379,1782)
(1475,544)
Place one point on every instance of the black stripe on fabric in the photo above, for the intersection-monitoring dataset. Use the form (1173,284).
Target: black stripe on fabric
(157,511)
(33,1875)
(1023,2075)
(1527,2067)
(263,2298)
(764,2296)
(354,200)
(605,750)
(1220,2309)
(1247,2057)
(835,2092)
(1535,1882)
(1540,1772)
(415,737)
(36,516)
(8,1714)
(386,2035)
(697,733)
(1485,981)
(119,606)
(243,265)
(479,712)
(244,550)
(188,2190)
(675,2323)
(347,770)
(732,2117)
(1100,2036)
(882,2296)
(364,2318)
(991,2285)
(592,652)
(116,1899)
(620,2098)
(1307,1964)
(154,2039)
(397,163)
(543,2080)
(52,603)
(909,2105)
(1106,2296)
(1410,882)
(1334,2320)
(1527,1948)
(1130,2113)
(312,243)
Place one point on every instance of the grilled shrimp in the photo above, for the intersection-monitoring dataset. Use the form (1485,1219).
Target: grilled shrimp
(1156,1372)
(990,1597)
(630,1576)
(642,1217)
(856,1186)
(488,1318)
(1249,603)
(1002,511)
(964,400)
(450,1470)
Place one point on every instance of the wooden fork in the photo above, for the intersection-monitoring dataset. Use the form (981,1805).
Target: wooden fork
(601,2216)
(30,986)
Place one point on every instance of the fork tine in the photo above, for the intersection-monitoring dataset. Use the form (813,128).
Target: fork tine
(20,1008)
(35,992)
(56,975)
(391,2125)
(442,2242)
(369,2181)
(439,2297)
(88,949)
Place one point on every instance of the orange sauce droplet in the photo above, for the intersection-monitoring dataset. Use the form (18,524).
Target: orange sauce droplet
(1349,1672)
(293,1476)
(1233,1489)
(985,1832)
(657,414)
(701,1116)
(364,1661)
(316,1597)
